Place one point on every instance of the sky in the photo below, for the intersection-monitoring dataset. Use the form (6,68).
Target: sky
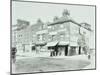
(31,11)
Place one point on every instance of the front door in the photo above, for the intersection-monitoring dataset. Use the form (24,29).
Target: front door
(66,50)
(33,48)
(79,50)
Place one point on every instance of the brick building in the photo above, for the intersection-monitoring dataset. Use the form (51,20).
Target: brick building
(63,36)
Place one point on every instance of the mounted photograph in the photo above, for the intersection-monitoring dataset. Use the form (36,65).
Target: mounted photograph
(52,37)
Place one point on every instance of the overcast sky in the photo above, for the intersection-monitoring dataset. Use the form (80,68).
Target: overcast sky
(32,11)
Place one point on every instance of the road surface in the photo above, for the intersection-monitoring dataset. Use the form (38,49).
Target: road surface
(44,64)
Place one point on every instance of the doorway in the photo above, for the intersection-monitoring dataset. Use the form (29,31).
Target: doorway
(79,50)
(33,48)
(66,50)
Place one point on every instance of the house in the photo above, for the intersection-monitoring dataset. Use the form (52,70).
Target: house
(62,37)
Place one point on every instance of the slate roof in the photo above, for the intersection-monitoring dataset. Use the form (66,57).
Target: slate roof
(64,20)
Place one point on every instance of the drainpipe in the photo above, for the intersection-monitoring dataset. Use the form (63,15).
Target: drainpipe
(79,46)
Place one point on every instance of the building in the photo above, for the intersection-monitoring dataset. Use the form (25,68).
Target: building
(63,36)
(67,37)
(41,35)
(22,35)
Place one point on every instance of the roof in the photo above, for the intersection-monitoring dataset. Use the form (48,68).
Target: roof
(68,20)
(63,21)
(35,27)
(21,27)
(59,21)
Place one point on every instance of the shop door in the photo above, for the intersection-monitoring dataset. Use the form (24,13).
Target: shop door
(66,50)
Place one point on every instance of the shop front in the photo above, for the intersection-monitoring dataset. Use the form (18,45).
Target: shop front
(33,48)
(63,48)
(74,49)
(40,46)
(52,47)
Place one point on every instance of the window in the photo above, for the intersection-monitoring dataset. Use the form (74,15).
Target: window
(43,37)
(44,26)
(49,38)
(53,37)
(53,27)
(61,26)
(19,35)
(49,27)
(62,36)
(39,37)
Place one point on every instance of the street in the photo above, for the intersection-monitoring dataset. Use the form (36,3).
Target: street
(44,64)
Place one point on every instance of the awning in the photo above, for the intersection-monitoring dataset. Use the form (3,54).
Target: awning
(50,44)
(33,45)
(73,44)
(62,43)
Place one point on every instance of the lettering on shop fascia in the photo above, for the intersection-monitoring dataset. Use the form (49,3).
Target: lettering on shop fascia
(55,32)
(41,32)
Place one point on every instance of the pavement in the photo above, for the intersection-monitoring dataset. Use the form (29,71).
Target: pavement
(44,64)
(47,55)
(92,65)
(32,62)
(33,54)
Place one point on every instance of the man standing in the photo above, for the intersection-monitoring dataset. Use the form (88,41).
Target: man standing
(13,54)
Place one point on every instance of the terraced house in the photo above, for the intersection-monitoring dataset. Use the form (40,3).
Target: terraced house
(62,37)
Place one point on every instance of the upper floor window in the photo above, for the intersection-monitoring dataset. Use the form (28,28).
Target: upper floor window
(40,27)
(53,27)
(62,36)
(53,37)
(44,26)
(49,27)
(43,37)
(61,26)
(39,37)
(19,35)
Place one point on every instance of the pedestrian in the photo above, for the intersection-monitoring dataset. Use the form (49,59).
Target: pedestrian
(13,54)
(51,52)
(59,51)
(89,56)
(37,50)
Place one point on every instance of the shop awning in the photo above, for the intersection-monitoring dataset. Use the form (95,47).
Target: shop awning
(63,43)
(73,44)
(50,44)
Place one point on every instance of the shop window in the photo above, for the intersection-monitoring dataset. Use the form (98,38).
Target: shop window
(33,48)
